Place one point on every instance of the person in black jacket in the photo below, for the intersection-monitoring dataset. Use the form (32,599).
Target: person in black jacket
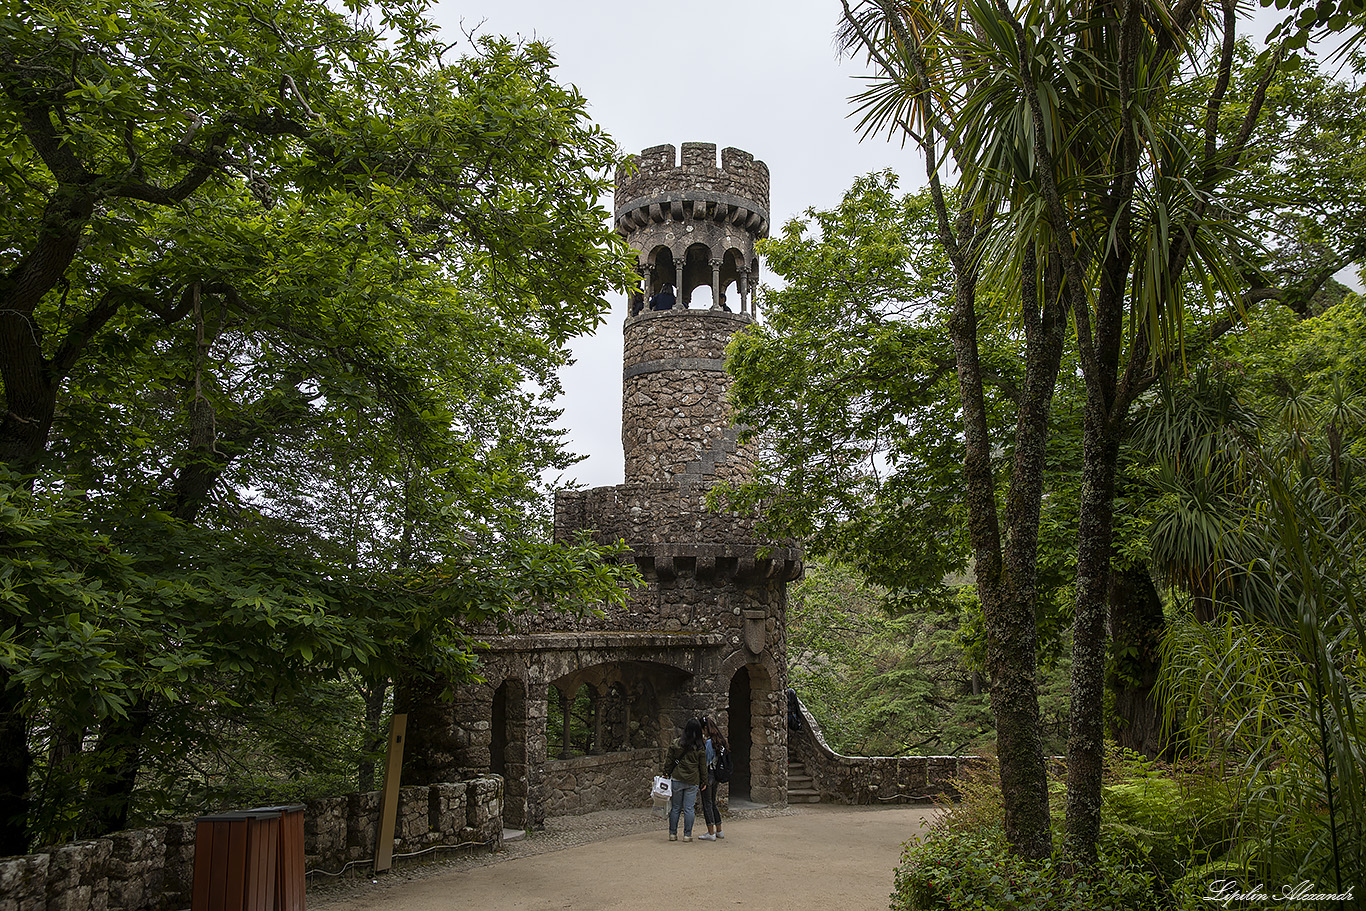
(687,766)
(715,743)
(664,300)
(794,712)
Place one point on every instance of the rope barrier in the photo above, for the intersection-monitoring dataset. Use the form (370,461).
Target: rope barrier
(371,861)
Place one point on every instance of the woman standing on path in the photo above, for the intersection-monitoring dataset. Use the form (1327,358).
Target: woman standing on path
(687,766)
(715,742)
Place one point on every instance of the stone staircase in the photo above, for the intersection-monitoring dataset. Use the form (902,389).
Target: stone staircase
(799,785)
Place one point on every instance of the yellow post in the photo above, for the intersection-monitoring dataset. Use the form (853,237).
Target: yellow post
(388,805)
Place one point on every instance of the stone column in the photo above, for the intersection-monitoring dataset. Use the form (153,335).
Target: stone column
(678,287)
(646,280)
(598,699)
(716,284)
(742,285)
(566,703)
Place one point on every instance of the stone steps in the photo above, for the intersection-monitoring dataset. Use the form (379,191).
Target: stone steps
(799,785)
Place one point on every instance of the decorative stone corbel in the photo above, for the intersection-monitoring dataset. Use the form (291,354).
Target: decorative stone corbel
(664,567)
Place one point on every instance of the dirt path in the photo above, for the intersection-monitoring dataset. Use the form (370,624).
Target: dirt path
(817,858)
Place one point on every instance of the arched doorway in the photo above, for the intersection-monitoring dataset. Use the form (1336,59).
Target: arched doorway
(740,733)
(507,749)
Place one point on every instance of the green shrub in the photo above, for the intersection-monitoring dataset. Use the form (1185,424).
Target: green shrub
(1174,820)
(956,871)
(1159,825)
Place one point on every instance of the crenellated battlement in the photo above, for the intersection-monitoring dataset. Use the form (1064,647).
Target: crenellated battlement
(657,172)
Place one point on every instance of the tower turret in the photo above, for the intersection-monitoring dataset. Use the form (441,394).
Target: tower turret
(693,226)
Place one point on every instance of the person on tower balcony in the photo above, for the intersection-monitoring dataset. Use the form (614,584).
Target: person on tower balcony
(664,300)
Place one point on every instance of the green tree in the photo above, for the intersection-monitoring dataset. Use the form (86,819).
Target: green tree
(1303,183)
(851,385)
(881,684)
(275,281)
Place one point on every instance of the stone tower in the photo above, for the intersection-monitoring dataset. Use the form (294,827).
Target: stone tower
(692,225)
(577,712)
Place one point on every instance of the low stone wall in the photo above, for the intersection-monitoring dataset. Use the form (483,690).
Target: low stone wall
(153,869)
(874,779)
(611,781)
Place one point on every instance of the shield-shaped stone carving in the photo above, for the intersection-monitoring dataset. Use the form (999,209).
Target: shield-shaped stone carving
(756,628)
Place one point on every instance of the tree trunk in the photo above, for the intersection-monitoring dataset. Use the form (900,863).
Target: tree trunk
(1136,627)
(120,748)
(30,382)
(434,746)
(1086,732)
(1006,580)
(374,726)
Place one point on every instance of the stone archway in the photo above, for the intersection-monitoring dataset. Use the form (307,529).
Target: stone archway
(757,733)
(508,749)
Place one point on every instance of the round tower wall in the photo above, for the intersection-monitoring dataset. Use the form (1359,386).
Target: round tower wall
(675,417)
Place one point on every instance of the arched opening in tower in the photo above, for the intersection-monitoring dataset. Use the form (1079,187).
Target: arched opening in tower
(733,269)
(663,271)
(740,734)
(697,277)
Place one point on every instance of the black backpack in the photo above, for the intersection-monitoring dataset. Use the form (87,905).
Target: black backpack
(721,765)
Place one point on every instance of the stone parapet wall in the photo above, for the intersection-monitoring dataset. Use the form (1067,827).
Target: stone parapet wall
(342,830)
(690,589)
(875,780)
(653,514)
(675,417)
(152,869)
(657,170)
(609,781)
(657,335)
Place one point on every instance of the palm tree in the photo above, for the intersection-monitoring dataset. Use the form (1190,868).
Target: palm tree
(1197,437)
(1088,170)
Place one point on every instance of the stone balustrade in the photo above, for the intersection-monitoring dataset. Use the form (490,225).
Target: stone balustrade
(875,780)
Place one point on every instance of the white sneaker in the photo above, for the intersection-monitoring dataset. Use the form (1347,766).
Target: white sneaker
(707,837)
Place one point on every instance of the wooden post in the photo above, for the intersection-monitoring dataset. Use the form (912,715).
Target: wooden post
(388,805)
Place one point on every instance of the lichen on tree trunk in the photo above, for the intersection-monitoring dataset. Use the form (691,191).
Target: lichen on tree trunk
(1136,627)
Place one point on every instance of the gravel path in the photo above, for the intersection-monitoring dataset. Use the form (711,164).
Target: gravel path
(560,832)
(806,858)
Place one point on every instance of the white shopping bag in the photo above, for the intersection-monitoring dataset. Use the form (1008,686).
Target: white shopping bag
(663,787)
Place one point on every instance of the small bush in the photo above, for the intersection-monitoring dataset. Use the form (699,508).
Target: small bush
(1174,820)
(955,871)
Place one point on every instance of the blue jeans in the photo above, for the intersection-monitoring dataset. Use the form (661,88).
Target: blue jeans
(684,798)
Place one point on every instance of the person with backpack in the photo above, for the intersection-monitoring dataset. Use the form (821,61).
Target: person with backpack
(718,770)
(686,764)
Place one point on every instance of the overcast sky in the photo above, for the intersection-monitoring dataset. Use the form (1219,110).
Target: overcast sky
(761,75)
